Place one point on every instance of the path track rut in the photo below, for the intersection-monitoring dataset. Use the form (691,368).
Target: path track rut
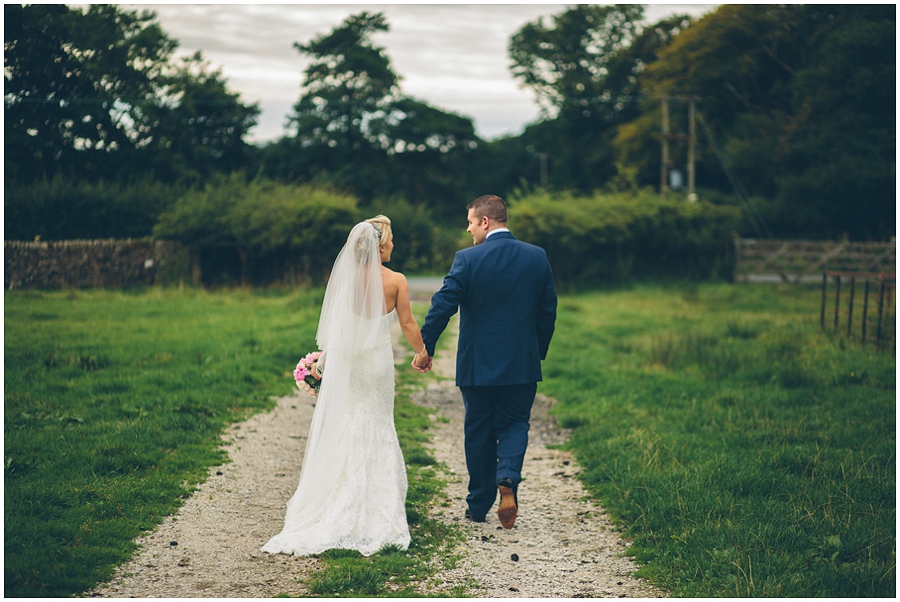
(562,545)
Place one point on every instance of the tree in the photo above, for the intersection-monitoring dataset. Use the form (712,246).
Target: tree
(428,151)
(802,100)
(585,67)
(74,83)
(339,136)
(199,129)
(93,92)
(836,169)
(567,60)
(348,83)
(355,130)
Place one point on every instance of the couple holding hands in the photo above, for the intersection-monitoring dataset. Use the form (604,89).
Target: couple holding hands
(352,487)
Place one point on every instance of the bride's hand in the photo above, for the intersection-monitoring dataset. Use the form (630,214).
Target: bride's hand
(313,370)
(422,363)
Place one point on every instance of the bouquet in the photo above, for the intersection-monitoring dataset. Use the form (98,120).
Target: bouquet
(306,382)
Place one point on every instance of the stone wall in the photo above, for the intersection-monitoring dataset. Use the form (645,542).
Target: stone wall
(93,263)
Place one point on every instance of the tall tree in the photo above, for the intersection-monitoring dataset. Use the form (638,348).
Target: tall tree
(837,165)
(354,129)
(90,91)
(75,82)
(802,100)
(584,65)
(348,82)
(566,59)
(200,126)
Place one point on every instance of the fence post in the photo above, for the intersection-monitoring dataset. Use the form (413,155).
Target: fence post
(880,312)
(865,312)
(824,287)
(850,307)
(837,300)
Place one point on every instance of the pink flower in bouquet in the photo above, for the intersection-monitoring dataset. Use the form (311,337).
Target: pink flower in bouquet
(306,382)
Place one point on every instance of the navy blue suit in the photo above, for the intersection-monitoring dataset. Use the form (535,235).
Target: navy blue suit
(503,289)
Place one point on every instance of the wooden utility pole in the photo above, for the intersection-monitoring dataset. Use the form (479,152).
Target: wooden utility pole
(664,160)
(666,135)
(543,158)
(692,142)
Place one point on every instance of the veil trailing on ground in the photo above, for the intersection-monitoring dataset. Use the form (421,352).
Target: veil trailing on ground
(352,487)
(351,327)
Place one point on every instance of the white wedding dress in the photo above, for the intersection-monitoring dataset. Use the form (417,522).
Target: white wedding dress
(352,489)
(353,496)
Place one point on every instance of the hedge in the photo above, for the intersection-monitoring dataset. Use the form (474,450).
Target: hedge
(606,238)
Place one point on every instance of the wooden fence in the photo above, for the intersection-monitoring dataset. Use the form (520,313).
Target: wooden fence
(863,305)
(804,261)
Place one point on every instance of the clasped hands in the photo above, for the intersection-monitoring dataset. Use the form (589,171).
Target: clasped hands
(422,363)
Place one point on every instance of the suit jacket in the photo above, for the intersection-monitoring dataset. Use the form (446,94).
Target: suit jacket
(504,291)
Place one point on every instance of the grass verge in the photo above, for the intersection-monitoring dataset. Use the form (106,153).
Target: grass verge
(114,403)
(745,452)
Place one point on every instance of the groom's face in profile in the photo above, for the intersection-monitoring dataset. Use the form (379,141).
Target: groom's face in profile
(478,227)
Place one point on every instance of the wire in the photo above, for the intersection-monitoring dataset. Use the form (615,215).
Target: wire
(753,214)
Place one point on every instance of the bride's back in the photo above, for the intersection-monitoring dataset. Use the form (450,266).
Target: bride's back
(391,281)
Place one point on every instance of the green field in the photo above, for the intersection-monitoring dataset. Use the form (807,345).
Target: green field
(744,452)
(113,407)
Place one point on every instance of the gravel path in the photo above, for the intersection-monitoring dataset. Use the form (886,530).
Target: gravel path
(562,545)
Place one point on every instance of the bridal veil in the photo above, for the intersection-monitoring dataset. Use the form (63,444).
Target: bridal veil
(350,322)
(352,485)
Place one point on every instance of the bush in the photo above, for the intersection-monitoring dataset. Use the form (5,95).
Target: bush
(421,245)
(615,237)
(64,209)
(260,232)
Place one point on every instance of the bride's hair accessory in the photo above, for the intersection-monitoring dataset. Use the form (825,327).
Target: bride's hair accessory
(382,225)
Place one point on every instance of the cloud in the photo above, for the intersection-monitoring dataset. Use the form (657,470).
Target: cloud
(452,56)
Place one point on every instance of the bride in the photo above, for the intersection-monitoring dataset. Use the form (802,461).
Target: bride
(352,488)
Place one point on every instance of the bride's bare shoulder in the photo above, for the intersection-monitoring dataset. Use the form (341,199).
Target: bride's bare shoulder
(390,275)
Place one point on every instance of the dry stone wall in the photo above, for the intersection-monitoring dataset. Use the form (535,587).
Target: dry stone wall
(93,263)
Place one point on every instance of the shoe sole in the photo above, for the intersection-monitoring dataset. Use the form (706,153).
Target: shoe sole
(508,511)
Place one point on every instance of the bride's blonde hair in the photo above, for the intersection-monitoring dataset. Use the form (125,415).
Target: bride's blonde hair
(382,225)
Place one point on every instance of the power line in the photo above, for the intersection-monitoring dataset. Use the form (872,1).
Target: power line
(753,214)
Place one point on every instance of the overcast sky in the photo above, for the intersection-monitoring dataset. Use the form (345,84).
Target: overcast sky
(453,56)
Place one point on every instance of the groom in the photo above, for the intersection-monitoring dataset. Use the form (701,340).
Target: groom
(504,291)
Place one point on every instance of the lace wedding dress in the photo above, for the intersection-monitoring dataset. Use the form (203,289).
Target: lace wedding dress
(353,497)
(352,488)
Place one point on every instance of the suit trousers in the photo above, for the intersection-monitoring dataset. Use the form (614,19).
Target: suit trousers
(496,436)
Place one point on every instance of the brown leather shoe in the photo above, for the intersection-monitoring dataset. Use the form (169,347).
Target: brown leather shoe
(508,508)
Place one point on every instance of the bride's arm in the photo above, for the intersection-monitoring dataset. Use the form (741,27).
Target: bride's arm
(407,320)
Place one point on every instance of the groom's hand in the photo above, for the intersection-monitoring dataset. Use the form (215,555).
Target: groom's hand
(422,363)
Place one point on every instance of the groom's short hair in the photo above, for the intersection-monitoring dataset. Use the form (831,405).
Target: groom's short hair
(490,206)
